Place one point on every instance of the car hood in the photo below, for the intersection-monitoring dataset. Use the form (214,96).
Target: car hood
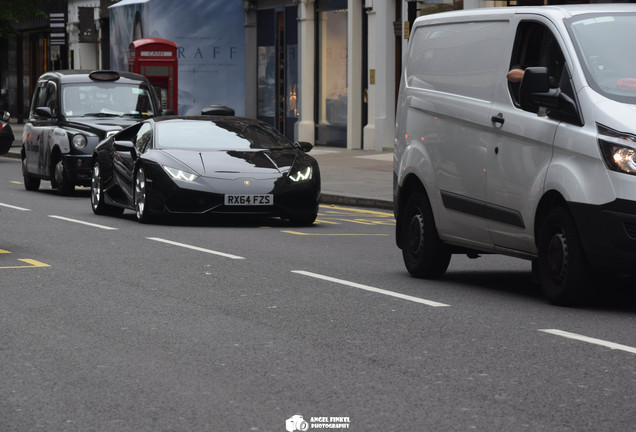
(212,163)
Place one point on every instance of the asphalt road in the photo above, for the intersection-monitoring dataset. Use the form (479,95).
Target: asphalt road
(111,325)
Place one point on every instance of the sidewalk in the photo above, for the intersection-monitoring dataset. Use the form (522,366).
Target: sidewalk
(349,177)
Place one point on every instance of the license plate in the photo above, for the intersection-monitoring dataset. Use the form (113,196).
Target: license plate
(249,200)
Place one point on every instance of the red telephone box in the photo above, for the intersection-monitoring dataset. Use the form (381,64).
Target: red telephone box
(156,59)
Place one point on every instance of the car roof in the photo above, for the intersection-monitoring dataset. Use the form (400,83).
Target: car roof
(553,11)
(76,76)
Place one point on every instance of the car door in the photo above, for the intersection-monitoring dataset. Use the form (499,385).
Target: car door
(40,129)
(125,157)
(522,148)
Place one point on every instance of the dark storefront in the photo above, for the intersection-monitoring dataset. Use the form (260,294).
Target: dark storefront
(277,68)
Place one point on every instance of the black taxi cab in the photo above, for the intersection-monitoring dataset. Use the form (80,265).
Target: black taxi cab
(71,112)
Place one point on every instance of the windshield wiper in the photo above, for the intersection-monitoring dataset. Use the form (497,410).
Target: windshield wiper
(102,114)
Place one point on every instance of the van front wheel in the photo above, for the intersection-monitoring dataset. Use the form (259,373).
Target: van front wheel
(562,267)
(424,254)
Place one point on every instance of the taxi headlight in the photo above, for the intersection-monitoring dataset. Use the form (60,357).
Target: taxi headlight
(301,175)
(78,141)
(618,157)
(178,174)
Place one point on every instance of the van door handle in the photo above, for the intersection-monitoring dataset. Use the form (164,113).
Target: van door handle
(498,119)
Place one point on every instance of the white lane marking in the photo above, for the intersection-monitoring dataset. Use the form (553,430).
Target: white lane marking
(370,288)
(196,248)
(14,207)
(104,227)
(587,339)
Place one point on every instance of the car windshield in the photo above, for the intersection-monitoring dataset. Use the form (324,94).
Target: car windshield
(106,100)
(605,44)
(232,134)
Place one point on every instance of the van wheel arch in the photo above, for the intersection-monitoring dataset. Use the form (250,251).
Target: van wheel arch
(550,200)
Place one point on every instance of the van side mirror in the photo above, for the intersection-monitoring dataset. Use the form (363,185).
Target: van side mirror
(44,112)
(535,93)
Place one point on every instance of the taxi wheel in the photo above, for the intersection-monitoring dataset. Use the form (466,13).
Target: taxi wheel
(97,195)
(563,271)
(61,181)
(141,197)
(30,183)
(424,254)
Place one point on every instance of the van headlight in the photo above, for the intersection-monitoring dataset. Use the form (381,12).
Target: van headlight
(78,141)
(619,157)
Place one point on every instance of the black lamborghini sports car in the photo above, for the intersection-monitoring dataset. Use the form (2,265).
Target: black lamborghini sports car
(205,165)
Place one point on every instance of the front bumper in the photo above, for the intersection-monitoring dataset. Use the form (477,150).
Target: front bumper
(78,168)
(608,233)
(206,196)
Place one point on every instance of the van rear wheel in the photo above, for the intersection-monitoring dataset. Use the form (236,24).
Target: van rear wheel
(563,270)
(424,254)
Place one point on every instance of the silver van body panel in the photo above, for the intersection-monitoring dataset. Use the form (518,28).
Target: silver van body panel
(477,149)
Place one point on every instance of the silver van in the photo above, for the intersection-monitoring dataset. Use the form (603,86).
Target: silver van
(516,134)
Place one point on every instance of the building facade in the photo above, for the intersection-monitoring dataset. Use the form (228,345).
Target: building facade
(322,71)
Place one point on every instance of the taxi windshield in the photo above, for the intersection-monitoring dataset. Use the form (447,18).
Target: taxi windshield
(219,135)
(106,100)
(606,44)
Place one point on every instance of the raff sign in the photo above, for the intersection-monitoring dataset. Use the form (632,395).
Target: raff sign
(210,38)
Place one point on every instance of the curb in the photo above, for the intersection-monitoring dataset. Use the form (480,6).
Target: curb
(326,198)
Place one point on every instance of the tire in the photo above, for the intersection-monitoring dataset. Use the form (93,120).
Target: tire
(424,254)
(30,183)
(141,197)
(97,195)
(60,179)
(564,273)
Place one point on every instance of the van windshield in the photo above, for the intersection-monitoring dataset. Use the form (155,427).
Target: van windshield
(606,45)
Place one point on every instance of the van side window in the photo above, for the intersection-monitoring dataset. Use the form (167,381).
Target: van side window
(442,57)
(535,45)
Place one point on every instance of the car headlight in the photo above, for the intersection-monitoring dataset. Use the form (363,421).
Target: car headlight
(78,141)
(301,175)
(619,157)
(178,174)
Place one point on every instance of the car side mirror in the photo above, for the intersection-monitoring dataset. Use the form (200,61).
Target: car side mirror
(6,116)
(44,112)
(304,146)
(124,145)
